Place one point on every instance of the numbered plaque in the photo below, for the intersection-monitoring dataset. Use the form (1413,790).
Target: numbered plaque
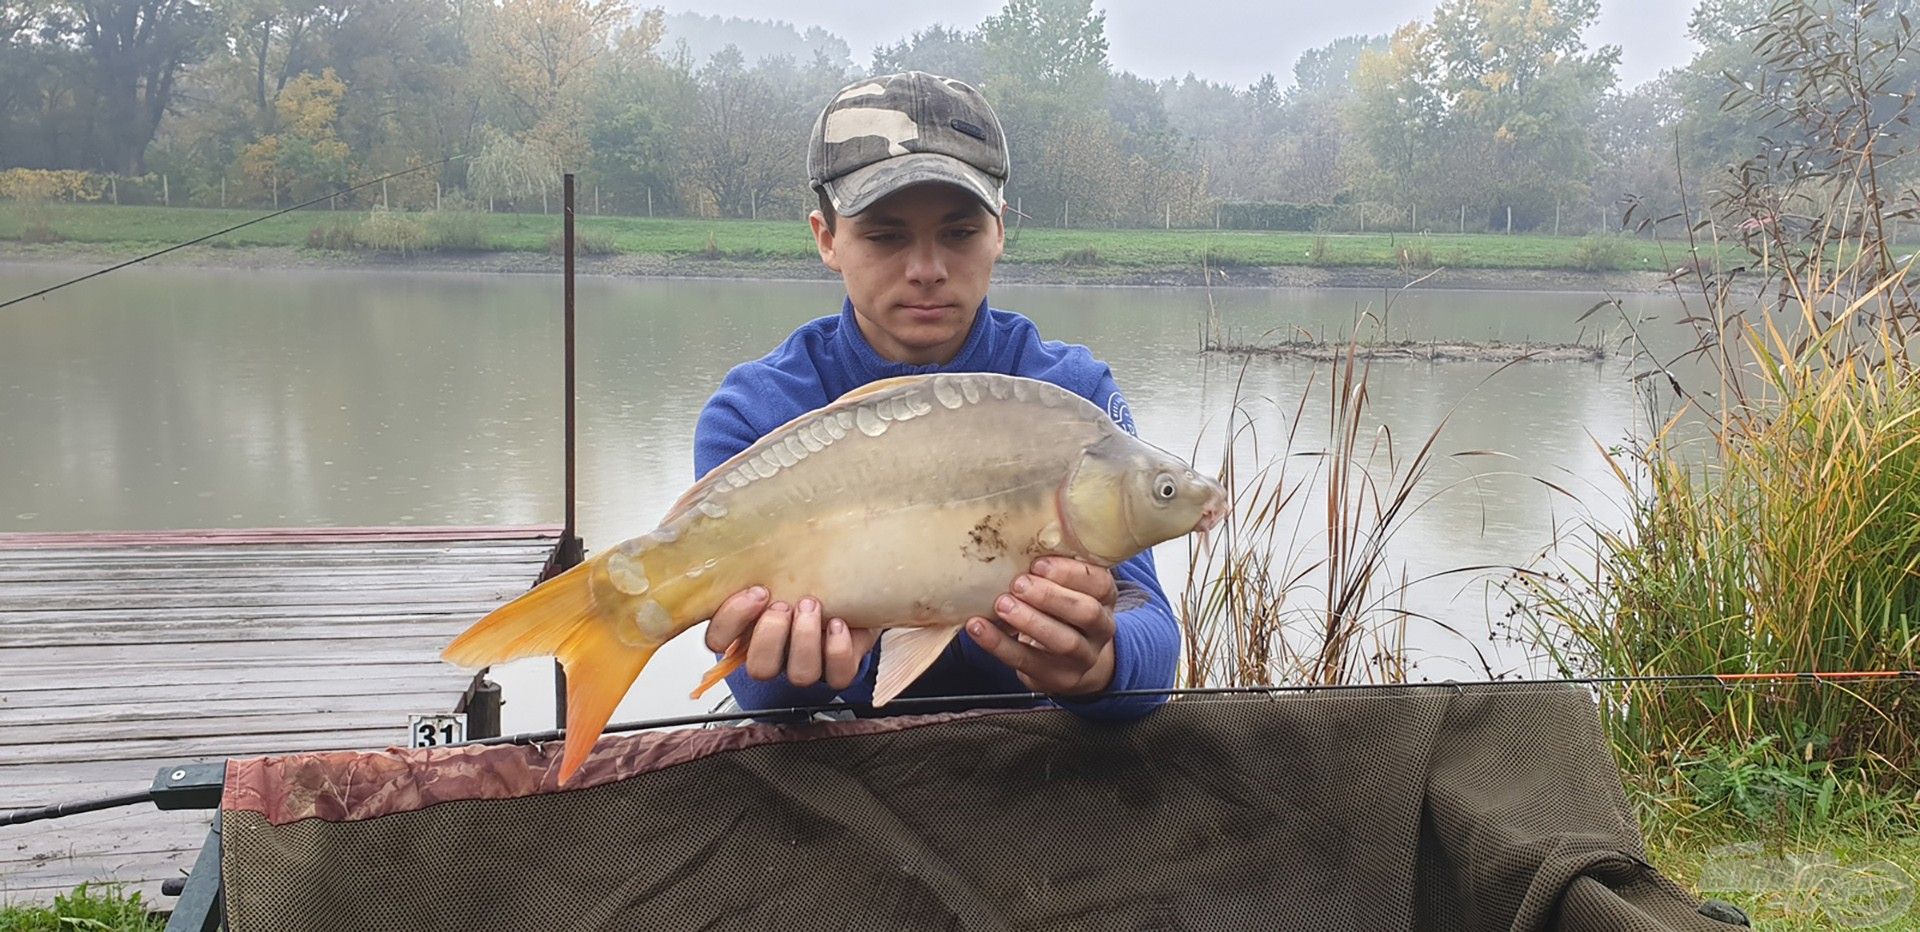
(432,731)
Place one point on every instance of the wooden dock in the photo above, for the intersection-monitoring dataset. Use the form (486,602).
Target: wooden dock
(122,652)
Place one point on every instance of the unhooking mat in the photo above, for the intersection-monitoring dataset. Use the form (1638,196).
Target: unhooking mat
(1370,810)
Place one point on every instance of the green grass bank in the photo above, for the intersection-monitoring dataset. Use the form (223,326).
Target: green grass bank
(407,234)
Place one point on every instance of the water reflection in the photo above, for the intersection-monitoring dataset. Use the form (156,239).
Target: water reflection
(160,398)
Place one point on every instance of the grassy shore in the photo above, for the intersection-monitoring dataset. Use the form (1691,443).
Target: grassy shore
(787,240)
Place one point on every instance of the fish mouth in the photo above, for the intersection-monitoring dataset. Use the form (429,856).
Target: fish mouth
(1212,515)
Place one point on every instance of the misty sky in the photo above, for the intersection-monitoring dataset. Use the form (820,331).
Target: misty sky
(1223,40)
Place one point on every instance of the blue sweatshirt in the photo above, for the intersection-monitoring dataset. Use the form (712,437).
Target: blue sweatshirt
(828,357)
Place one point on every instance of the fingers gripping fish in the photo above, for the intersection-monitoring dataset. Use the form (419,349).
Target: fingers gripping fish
(915,501)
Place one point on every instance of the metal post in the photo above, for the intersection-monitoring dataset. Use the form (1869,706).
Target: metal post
(568,293)
(483,709)
(571,550)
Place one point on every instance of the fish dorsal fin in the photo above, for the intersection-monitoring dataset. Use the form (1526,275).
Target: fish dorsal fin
(718,473)
(877,386)
(905,653)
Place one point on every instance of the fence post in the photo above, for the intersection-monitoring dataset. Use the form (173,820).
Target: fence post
(223,190)
(1463,219)
(436,196)
(114,186)
(1556,217)
(649,202)
(1509,220)
(1169,215)
(384,203)
(166,196)
(1416,218)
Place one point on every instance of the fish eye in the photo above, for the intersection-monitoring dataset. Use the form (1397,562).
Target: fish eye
(1163,488)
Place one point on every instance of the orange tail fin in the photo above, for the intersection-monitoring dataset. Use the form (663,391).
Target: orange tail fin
(561,617)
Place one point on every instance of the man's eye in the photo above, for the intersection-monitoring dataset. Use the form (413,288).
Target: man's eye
(884,238)
(962,233)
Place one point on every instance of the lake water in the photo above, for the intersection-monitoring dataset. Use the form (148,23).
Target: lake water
(172,398)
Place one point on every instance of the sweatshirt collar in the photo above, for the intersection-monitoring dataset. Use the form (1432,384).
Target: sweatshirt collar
(867,365)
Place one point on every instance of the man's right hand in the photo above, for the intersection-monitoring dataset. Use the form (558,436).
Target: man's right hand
(790,638)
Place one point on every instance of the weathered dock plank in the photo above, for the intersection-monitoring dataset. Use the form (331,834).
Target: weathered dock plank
(124,652)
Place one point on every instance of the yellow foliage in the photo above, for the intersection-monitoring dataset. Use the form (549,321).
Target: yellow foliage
(260,160)
(537,51)
(309,104)
(33,185)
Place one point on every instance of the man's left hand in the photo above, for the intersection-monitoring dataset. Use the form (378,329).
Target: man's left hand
(1058,627)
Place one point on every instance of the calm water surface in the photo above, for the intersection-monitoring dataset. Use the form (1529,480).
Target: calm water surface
(166,398)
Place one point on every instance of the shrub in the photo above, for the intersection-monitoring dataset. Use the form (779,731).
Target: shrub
(1597,252)
(391,231)
(335,236)
(456,229)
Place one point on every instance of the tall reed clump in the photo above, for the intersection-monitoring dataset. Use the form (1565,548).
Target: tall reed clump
(1270,599)
(1794,549)
(1788,541)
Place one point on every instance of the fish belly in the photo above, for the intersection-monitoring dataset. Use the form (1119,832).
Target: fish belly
(924,566)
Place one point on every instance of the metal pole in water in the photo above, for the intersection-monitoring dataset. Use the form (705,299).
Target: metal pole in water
(568,224)
(571,551)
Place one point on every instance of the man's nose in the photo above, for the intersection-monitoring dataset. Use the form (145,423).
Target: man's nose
(925,266)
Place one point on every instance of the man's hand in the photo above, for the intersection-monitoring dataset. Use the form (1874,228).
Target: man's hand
(790,638)
(1061,621)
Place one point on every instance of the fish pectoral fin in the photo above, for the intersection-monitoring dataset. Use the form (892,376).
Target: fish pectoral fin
(905,653)
(730,661)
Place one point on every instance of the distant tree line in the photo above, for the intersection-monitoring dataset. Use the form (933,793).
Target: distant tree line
(1484,115)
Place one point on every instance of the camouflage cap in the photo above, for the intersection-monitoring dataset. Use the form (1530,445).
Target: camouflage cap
(884,133)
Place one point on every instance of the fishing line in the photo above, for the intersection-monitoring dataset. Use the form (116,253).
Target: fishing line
(54,288)
(1202,693)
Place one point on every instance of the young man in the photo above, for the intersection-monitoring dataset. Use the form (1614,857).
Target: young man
(910,169)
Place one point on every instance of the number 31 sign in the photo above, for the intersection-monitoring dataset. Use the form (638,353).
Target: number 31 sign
(431,731)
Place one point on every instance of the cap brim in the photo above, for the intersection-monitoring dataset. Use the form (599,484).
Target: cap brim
(858,190)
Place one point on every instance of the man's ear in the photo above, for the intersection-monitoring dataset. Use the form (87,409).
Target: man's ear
(823,238)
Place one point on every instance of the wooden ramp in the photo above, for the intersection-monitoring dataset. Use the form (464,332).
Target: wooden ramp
(122,652)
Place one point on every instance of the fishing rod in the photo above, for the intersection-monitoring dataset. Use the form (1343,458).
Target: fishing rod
(1011,700)
(237,226)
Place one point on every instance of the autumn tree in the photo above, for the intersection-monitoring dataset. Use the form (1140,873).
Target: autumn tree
(937,49)
(744,145)
(131,54)
(635,129)
(304,157)
(1492,104)
(1046,72)
(539,57)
